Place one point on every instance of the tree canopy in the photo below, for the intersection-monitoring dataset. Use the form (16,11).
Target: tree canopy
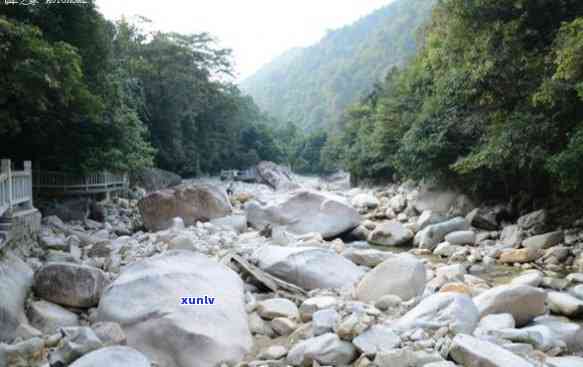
(78,92)
(492,101)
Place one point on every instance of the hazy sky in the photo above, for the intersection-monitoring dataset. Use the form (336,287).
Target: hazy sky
(256,30)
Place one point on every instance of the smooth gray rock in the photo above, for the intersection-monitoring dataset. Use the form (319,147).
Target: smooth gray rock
(570,361)
(323,321)
(283,326)
(376,339)
(306,211)
(577,291)
(308,267)
(113,357)
(326,349)
(523,302)
(390,234)
(544,241)
(276,176)
(277,307)
(15,281)
(454,310)
(473,352)
(314,304)
(402,275)
(49,317)
(533,278)
(461,238)
(273,353)
(428,218)
(146,301)
(446,249)
(405,357)
(69,284)
(259,326)
(434,234)
(366,257)
(555,329)
(565,304)
(495,322)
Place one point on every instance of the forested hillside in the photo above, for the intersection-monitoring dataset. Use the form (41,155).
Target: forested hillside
(312,86)
(79,92)
(493,102)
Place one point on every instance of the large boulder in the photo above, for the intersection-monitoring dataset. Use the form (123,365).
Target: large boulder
(153,179)
(113,357)
(434,234)
(15,282)
(442,200)
(473,352)
(308,267)
(305,211)
(534,223)
(402,276)
(453,310)
(276,176)
(390,234)
(147,300)
(523,302)
(69,284)
(192,203)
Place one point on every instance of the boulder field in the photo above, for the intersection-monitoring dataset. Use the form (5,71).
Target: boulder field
(295,271)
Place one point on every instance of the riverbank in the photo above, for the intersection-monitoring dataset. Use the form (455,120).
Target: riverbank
(390,276)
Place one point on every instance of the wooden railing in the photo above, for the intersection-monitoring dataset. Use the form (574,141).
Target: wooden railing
(15,186)
(65,183)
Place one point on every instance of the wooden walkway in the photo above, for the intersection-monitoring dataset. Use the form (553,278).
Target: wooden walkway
(16,187)
(67,184)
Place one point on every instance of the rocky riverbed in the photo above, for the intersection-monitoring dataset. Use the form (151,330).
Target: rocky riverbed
(301,272)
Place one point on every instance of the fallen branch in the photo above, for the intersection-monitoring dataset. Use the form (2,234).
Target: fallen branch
(274,284)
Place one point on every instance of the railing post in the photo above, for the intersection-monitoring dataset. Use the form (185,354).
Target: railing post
(7,168)
(28,170)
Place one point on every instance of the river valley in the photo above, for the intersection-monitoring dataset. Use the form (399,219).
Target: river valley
(301,271)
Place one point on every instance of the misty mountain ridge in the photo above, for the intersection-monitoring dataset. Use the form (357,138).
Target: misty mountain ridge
(312,86)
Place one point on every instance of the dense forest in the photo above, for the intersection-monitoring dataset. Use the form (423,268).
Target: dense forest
(79,92)
(312,86)
(493,101)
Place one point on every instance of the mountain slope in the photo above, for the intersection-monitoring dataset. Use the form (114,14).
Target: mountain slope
(312,86)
